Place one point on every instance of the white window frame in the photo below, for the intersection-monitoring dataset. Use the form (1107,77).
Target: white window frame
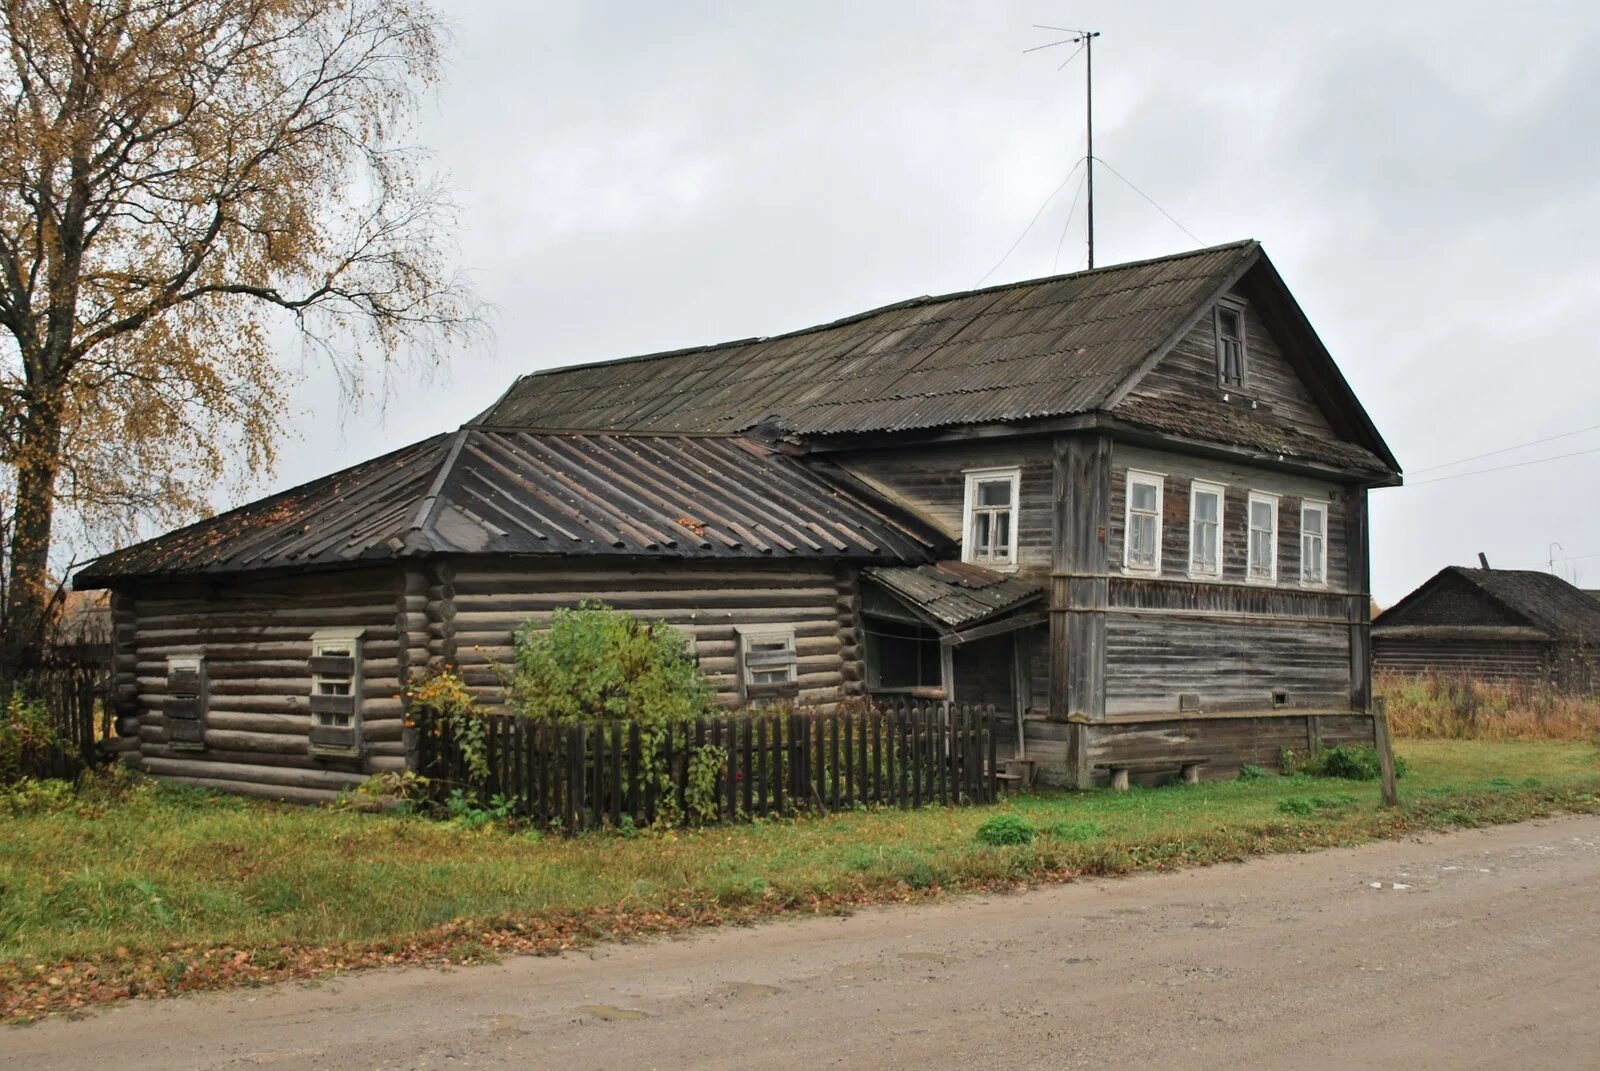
(1196,489)
(1159,482)
(1270,499)
(1312,505)
(752,662)
(322,644)
(969,507)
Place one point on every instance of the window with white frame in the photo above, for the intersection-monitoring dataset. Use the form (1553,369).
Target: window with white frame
(1262,564)
(768,665)
(1205,529)
(989,521)
(336,692)
(1313,543)
(1141,543)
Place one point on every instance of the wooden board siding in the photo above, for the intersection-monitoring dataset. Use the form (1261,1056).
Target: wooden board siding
(1228,665)
(1483,659)
(930,481)
(1224,743)
(494,597)
(1238,481)
(255,636)
(1188,373)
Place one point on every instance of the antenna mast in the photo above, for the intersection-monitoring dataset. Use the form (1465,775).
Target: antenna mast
(1085,38)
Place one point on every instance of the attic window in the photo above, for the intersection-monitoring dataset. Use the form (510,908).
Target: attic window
(1231,355)
(989,531)
(335,693)
(768,666)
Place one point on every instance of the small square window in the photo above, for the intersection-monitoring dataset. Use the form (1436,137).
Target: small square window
(768,664)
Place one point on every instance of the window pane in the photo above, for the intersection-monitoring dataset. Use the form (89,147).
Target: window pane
(981,524)
(1229,319)
(1205,548)
(1205,506)
(1002,533)
(1260,515)
(1260,553)
(1314,521)
(1142,540)
(994,493)
(1144,496)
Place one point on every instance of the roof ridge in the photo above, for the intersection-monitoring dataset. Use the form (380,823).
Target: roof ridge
(904,303)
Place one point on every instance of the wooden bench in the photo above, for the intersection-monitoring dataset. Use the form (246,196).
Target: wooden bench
(1188,768)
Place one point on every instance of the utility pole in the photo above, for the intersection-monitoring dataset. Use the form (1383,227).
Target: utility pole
(1085,39)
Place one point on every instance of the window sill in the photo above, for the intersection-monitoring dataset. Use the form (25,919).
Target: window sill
(1210,578)
(1142,574)
(997,566)
(1262,581)
(1314,585)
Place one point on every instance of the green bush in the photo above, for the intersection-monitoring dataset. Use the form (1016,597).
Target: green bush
(1077,831)
(1351,762)
(1251,772)
(26,733)
(598,664)
(1296,805)
(1006,829)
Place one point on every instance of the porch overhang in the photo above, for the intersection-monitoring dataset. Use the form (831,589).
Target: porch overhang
(960,601)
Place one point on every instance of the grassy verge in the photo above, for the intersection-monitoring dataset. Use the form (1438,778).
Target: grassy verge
(163,891)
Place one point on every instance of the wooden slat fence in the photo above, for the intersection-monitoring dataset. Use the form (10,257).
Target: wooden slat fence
(576,777)
(73,695)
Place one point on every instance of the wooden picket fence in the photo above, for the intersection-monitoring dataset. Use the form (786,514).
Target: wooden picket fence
(576,777)
(74,696)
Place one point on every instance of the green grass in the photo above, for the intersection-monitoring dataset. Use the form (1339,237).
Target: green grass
(165,867)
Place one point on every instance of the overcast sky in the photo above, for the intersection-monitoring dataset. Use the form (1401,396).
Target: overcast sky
(640,176)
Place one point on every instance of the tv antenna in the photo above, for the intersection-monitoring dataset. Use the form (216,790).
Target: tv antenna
(1084,39)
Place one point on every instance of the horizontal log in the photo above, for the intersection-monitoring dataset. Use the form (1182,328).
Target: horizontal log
(283,793)
(280,776)
(580,581)
(766,613)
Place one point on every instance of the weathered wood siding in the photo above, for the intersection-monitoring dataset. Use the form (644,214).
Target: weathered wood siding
(1188,373)
(255,637)
(1484,659)
(930,481)
(1223,744)
(1228,644)
(491,598)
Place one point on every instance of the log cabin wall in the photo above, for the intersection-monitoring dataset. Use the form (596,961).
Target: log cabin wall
(930,481)
(1482,659)
(255,636)
(492,598)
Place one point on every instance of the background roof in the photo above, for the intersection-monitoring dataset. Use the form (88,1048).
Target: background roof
(481,491)
(1542,600)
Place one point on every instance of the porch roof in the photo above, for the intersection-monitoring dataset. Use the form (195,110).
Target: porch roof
(955,595)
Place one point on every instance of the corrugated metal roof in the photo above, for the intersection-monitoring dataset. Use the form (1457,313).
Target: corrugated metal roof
(491,491)
(1043,348)
(956,594)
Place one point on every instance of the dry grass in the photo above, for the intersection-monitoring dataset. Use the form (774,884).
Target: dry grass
(1452,707)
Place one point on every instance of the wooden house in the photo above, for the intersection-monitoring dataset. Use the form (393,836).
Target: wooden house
(1493,624)
(1127,506)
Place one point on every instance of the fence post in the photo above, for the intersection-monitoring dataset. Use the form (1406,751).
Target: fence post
(1380,733)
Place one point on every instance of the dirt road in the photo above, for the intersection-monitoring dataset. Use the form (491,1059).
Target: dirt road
(1475,949)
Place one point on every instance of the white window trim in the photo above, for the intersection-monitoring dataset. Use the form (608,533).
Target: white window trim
(1196,487)
(1319,506)
(969,499)
(1159,482)
(1249,549)
(343,639)
(765,633)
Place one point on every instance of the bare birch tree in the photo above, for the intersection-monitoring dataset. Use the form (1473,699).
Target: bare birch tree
(175,176)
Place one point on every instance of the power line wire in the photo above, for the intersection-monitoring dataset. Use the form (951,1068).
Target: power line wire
(1031,222)
(1504,450)
(1502,468)
(1147,197)
(1066,225)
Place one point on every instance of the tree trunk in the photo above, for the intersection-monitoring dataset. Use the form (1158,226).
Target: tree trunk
(28,585)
